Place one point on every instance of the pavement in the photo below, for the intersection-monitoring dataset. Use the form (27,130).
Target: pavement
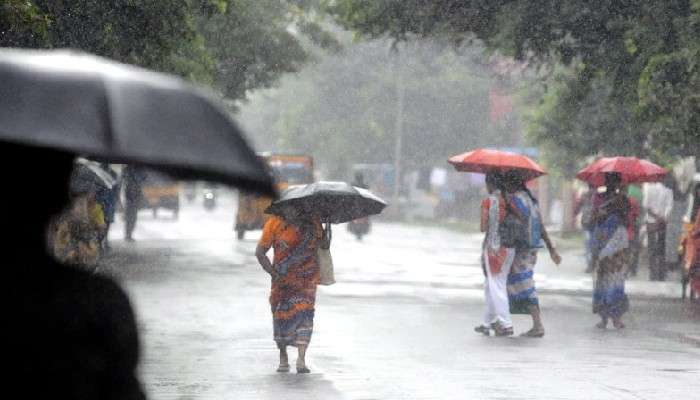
(397,325)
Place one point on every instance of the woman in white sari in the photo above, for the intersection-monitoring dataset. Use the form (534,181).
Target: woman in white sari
(496,261)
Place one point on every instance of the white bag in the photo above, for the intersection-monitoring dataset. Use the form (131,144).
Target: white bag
(325,264)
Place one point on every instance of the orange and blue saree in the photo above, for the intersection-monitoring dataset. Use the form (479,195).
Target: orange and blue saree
(293,295)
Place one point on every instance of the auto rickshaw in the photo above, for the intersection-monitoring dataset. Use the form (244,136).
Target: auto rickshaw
(287,169)
(160,191)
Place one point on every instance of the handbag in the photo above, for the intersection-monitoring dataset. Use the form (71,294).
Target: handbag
(325,262)
(513,231)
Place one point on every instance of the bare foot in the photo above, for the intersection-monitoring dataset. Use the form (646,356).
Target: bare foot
(283,368)
(618,324)
(534,333)
(301,368)
(284,361)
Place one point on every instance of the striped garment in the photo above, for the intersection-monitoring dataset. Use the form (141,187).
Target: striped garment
(611,251)
(521,282)
(293,296)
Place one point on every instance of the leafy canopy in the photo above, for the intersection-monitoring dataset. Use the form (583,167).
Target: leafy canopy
(626,71)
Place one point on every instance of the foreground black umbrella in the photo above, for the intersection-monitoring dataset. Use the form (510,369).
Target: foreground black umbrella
(335,202)
(123,114)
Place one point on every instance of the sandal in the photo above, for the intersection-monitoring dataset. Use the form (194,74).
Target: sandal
(283,368)
(501,331)
(533,333)
(484,330)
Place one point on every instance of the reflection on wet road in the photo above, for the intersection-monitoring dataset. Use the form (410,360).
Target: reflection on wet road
(398,325)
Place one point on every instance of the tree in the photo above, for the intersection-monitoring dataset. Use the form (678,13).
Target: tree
(344,108)
(630,64)
(236,45)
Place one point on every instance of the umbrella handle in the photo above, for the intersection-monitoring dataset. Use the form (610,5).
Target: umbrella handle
(328,233)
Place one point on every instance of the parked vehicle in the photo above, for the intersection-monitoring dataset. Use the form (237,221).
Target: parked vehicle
(287,169)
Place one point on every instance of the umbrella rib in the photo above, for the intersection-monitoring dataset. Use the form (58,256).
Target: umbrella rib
(107,115)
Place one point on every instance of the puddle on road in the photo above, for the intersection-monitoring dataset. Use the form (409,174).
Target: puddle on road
(681,370)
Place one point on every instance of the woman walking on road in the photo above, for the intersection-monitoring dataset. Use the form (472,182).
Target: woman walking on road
(496,261)
(295,275)
(610,251)
(521,284)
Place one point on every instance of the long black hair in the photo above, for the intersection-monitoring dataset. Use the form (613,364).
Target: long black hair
(515,180)
(495,180)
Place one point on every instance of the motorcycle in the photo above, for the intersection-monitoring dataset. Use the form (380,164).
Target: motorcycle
(359,227)
(209,199)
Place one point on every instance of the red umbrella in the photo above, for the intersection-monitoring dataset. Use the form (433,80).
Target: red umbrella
(485,160)
(631,170)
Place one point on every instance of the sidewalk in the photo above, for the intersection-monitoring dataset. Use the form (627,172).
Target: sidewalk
(570,276)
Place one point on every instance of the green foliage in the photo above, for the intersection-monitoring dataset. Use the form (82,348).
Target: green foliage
(235,45)
(22,24)
(251,45)
(343,110)
(631,81)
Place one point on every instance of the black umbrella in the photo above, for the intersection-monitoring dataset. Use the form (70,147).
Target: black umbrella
(123,114)
(335,202)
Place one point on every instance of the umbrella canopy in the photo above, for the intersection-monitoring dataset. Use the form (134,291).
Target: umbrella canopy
(123,114)
(335,202)
(631,170)
(485,160)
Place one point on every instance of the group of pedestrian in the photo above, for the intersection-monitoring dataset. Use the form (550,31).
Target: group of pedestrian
(511,221)
(514,233)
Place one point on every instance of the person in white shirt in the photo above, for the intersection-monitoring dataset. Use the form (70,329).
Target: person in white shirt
(658,203)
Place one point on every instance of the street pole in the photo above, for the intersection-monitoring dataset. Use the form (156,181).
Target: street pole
(398,127)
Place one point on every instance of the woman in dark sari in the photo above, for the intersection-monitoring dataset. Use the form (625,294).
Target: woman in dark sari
(295,274)
(610,245)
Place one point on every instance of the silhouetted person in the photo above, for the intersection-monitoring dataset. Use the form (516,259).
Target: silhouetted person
(71,333)
(108,197)
(133,178)
(359,181)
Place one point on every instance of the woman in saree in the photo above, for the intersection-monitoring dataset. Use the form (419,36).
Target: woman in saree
(496,261)
(610,252)
(690,246)
(522,294)
(295,274)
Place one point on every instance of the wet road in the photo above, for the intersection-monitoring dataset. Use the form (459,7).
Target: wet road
(398,325)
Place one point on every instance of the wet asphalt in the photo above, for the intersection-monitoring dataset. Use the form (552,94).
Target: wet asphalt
(397,325)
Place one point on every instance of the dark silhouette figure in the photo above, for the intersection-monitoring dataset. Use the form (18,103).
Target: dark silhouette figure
(71,334)
(359,181)
(133,178)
